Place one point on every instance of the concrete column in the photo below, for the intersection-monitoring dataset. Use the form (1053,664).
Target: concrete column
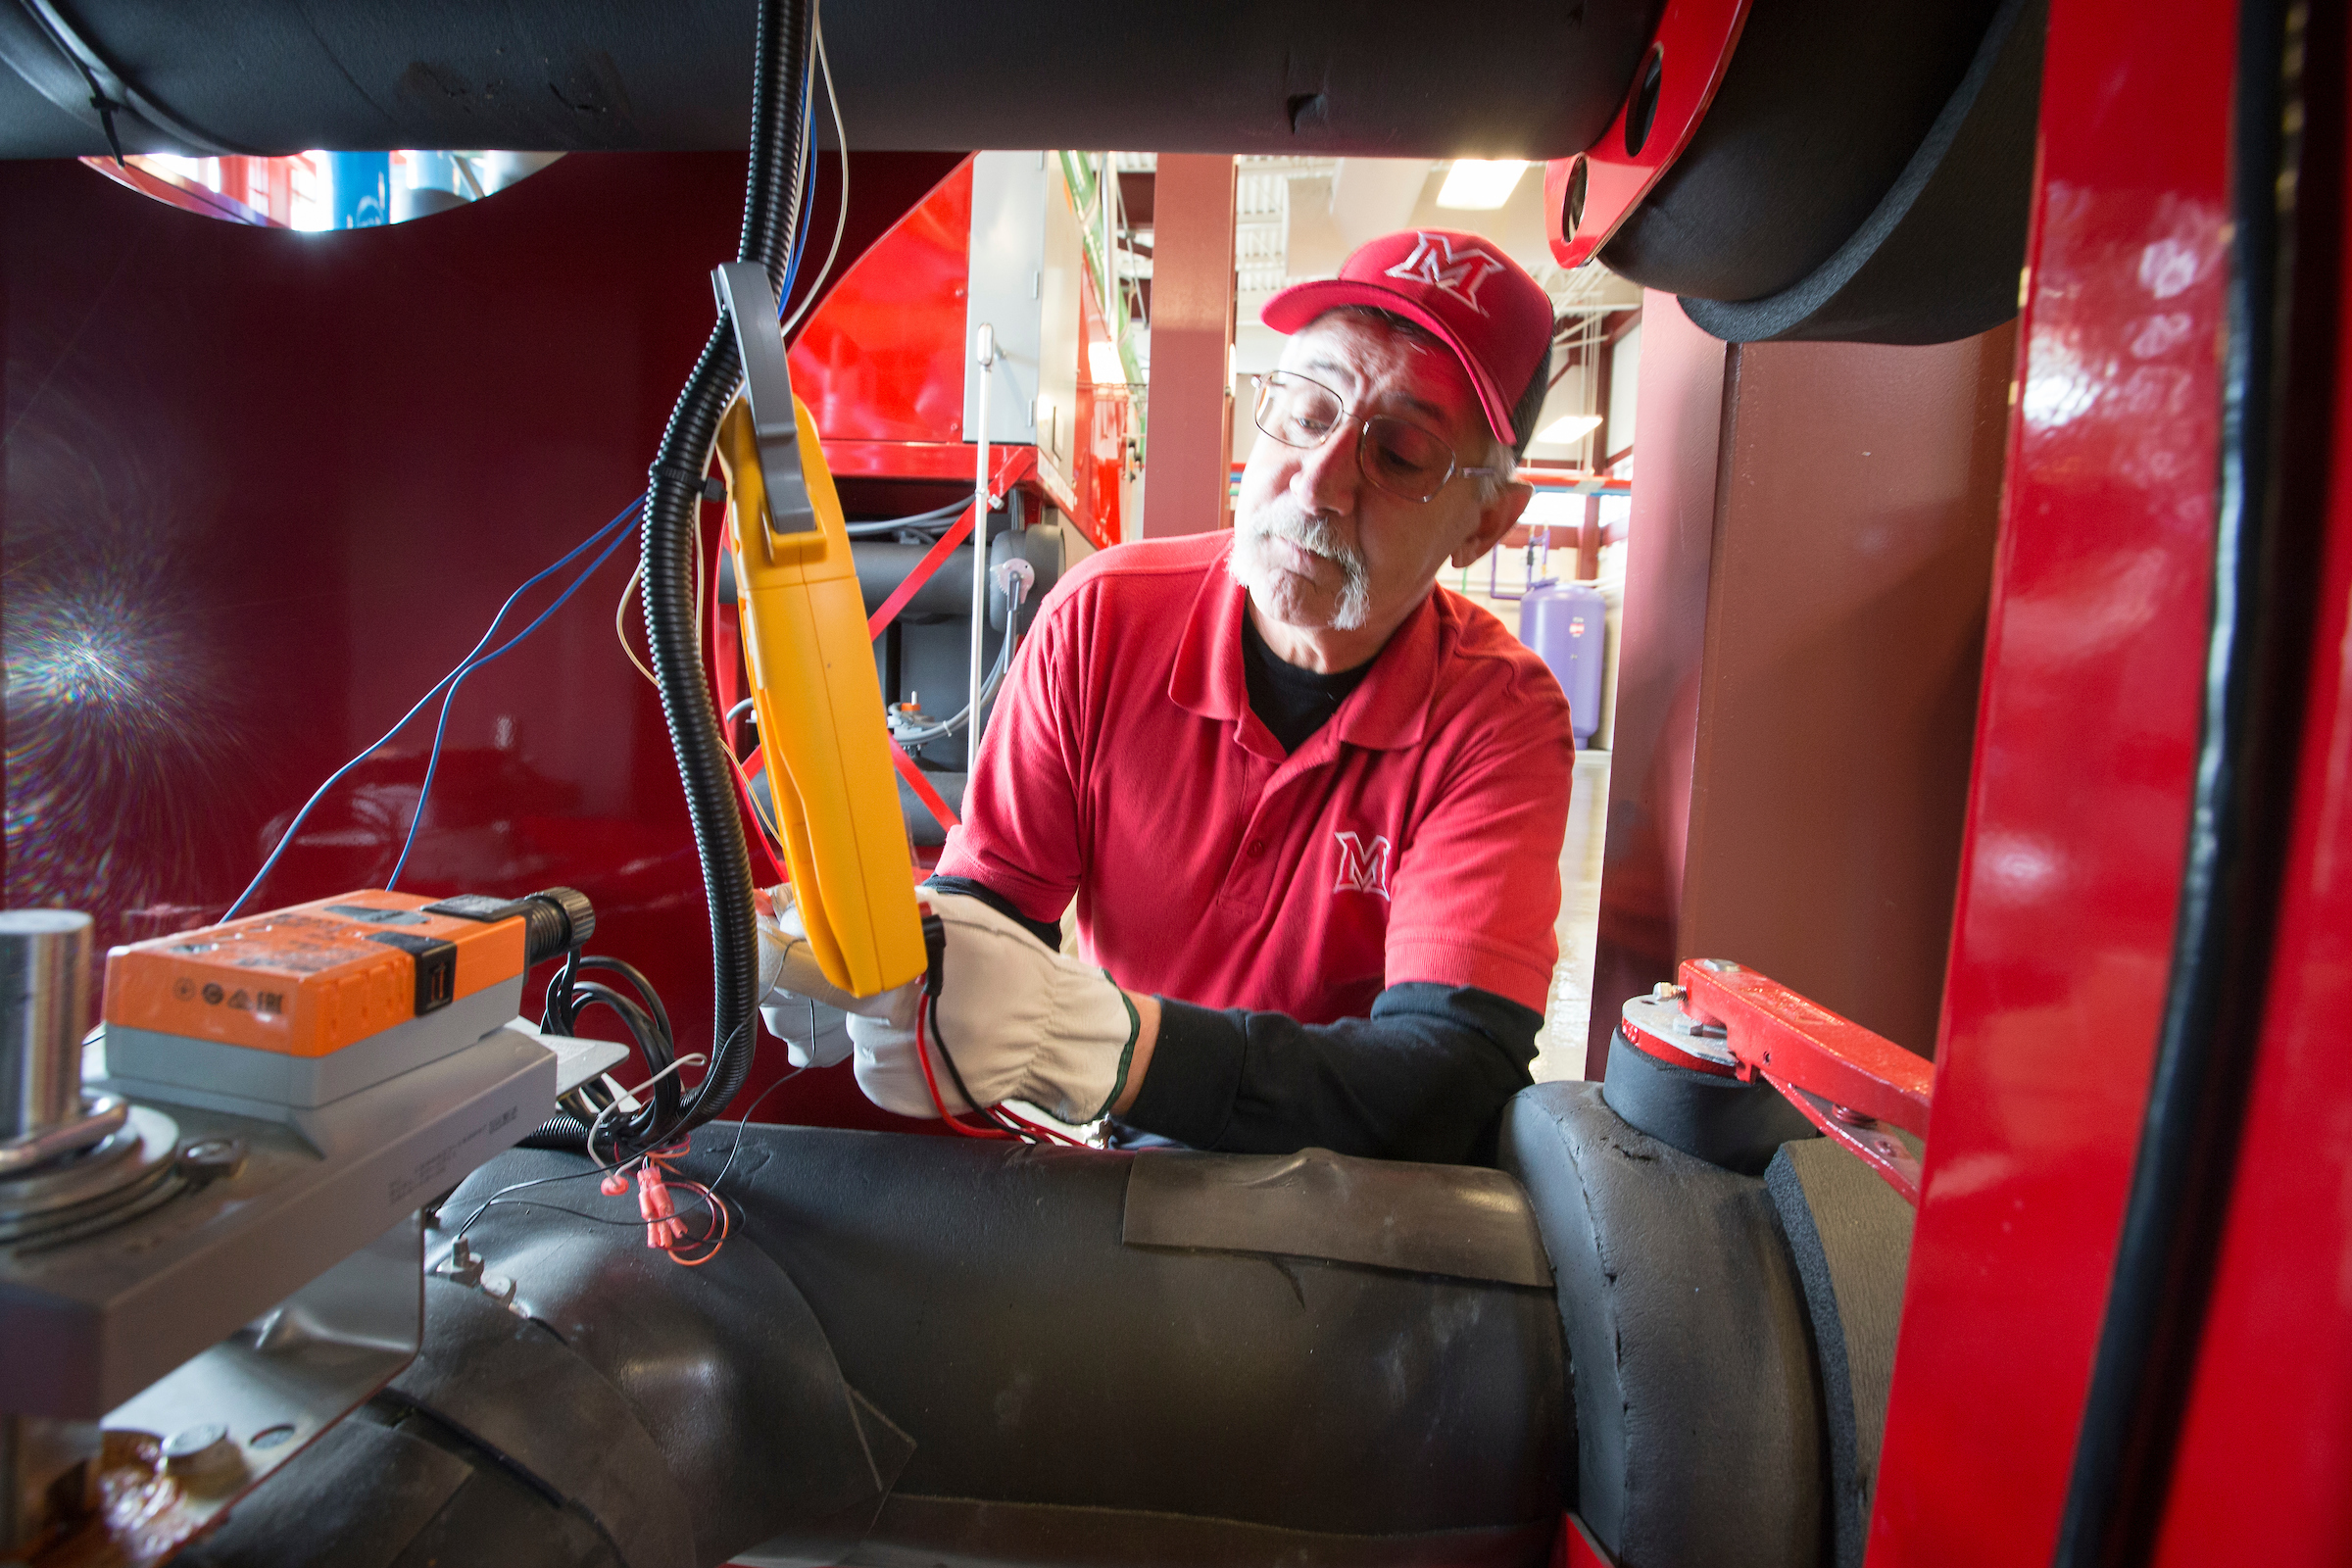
(1191,430)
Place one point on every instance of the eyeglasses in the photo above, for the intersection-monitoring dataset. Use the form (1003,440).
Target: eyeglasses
(1400,456)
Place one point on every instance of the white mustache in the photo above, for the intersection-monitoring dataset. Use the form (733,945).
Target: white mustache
(1309,531)
(1287,520)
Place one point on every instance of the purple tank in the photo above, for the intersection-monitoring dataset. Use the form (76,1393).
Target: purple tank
(1566,624)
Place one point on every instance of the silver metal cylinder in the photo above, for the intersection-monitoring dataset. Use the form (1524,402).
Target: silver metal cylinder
(45,1011)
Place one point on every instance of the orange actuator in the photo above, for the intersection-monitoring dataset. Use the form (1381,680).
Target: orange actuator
(308,980)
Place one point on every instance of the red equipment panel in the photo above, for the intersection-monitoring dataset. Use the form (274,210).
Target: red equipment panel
(882,358)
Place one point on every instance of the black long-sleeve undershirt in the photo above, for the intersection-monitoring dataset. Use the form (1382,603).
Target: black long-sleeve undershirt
(1425,1077)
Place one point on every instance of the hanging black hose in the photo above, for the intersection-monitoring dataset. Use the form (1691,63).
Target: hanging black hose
(673,493)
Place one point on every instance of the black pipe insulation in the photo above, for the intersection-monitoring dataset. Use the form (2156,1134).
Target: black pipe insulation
(673,493)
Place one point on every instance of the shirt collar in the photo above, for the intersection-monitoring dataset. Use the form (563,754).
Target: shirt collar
(1390,710)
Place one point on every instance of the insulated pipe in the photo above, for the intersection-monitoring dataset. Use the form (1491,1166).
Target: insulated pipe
(1277,76)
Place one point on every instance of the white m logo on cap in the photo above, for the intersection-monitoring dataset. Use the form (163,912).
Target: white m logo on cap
(1433,262)
(1363,867)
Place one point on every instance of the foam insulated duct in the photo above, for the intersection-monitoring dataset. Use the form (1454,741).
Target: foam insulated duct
(925,1351)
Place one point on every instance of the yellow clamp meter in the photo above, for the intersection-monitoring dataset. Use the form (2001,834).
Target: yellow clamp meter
(811,666)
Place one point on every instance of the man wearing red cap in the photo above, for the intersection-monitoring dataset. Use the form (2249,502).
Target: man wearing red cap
(1309,804)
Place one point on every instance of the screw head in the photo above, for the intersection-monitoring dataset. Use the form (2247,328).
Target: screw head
(189,1441)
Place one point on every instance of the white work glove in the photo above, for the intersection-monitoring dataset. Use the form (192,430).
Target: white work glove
(1019,1020)
(798,1004)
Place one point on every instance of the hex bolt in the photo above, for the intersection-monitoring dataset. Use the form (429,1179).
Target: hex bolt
(464,1264)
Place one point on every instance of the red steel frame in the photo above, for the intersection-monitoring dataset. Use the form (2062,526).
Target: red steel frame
(2062,934)
(880,363)
(2086,735)
(2263,1468)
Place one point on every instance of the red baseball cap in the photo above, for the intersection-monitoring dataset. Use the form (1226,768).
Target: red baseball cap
(1477,300)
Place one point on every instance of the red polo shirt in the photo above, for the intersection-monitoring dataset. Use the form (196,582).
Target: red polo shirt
(1415,836)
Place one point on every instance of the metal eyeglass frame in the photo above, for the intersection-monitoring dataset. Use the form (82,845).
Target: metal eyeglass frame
(1363,422)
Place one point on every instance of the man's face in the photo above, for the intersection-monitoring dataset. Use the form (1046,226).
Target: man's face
(1320,547)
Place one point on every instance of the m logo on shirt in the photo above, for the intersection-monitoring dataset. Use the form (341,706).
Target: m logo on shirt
(1363,867)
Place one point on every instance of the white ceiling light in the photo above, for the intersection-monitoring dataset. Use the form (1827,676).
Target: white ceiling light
(1573,427)
(1102,359)
(1478,184)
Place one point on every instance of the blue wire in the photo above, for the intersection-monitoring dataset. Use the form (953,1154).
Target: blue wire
(303,815)
(800,236)
(458,678)
(800,243)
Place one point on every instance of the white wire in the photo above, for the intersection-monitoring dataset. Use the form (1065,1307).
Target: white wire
(620,623)
(840,220)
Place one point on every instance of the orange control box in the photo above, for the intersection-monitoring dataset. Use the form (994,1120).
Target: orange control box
(308,980)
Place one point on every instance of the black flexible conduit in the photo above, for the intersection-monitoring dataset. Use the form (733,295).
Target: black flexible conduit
(2278,399)
(671,538)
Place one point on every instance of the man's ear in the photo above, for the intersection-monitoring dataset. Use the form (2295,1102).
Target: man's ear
(1495,519)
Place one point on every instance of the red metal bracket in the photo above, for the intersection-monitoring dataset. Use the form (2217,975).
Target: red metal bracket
(1587,196)
(1857,1087)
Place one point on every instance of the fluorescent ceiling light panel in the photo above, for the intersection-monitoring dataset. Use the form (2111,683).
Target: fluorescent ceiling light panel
(1478,184)
(1102,359)
(1573,427)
